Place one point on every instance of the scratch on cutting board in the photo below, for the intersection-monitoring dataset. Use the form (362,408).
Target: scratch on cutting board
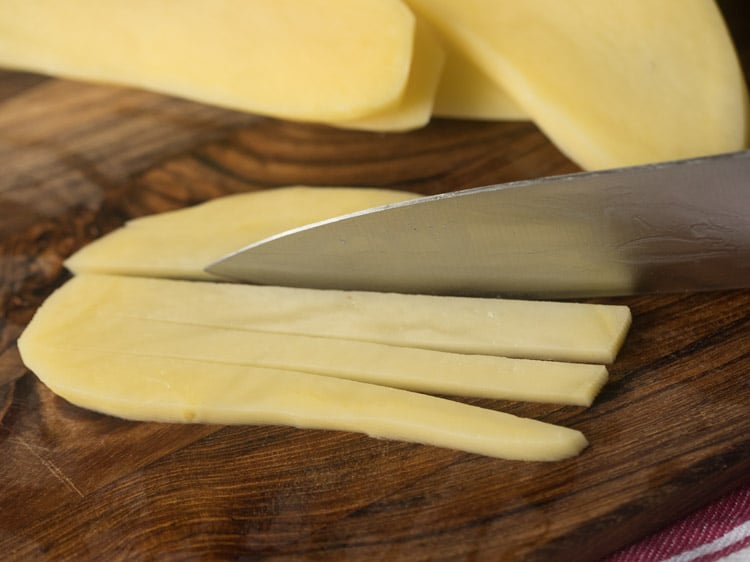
(51,466)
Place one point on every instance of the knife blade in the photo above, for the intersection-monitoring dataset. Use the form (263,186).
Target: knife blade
(669,227)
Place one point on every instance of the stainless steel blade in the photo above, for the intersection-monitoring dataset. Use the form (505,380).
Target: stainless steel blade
(676,226)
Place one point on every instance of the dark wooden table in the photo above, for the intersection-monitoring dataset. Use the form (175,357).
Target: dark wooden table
(669,433)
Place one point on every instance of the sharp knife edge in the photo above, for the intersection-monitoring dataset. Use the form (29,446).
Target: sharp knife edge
(666,227)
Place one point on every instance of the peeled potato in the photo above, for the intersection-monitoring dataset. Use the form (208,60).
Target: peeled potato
(611,83)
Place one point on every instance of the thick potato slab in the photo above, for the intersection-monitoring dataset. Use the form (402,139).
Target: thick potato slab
(466,92)
(315,60)
(415,107)
(611,83)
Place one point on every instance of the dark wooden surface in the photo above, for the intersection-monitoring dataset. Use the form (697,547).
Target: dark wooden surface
(670,432)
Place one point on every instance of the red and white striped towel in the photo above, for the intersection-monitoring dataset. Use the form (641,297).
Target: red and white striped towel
(720,532)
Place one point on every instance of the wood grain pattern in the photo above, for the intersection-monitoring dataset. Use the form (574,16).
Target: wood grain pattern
(669,432)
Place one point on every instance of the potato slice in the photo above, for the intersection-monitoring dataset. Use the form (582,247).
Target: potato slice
(414,110)
(612,84)
(135,385)
(513,328)
(181,243)
(466,92)
(318,60)
(87,314)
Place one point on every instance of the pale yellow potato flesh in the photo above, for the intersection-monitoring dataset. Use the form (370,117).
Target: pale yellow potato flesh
(182,243)
(178,390)
(90,313)
(140,386)
(611,83)
(558,331)
(146,348)
(466,92)
(179,244)
(315,60)
(414,110)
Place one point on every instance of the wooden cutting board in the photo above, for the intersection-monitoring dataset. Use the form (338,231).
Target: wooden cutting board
(670,432)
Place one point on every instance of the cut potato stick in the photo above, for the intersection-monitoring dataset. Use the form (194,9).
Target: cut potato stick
(74,319)
(317,60)
(181,243)
(423,370)
(524,329)
(179,390)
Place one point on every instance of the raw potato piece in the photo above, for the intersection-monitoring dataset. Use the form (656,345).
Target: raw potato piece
(466,92)
(611,83)
(317,60)
(415,108)
(181,243)
(170,389)
(177,390)
(523,329)
(84,316)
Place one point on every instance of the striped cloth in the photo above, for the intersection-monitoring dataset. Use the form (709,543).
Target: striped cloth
(720,532)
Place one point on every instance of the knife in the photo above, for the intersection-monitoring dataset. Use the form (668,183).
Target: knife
(669,227)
